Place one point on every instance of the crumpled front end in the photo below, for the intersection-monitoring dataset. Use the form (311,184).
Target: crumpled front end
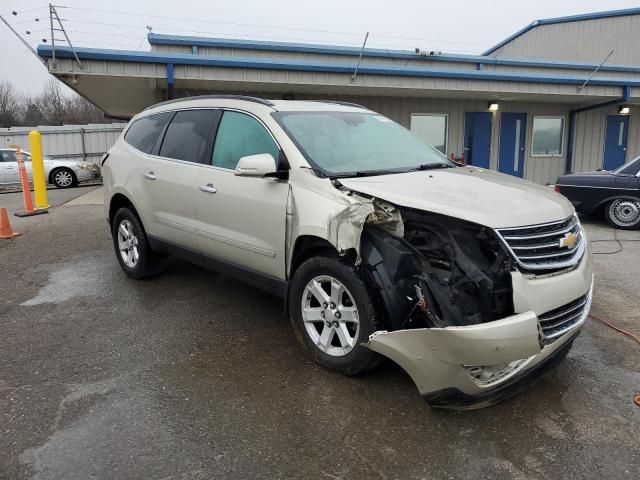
(465,321)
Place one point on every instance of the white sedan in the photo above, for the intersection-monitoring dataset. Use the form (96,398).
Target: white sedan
(61,173)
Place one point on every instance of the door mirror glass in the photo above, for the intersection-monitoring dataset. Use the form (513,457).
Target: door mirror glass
(259,165)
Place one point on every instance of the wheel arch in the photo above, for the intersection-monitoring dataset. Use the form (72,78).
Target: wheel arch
(120,200)
(61,167)
(602,204)
(304,248)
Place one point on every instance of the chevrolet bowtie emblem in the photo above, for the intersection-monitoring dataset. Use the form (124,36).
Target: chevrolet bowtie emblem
(568,241)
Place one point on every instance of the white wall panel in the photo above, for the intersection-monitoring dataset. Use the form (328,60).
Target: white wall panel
(66,141)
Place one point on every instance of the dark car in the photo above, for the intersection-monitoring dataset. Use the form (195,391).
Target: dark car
(615,194)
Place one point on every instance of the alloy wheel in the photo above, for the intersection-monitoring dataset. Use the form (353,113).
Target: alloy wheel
(330,316)
(128,244)
(63,178)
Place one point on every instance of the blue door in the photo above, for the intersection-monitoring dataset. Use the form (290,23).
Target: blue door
(615,141)
(477,138)
(513,131)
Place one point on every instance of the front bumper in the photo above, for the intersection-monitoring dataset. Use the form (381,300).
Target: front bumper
(90,173)
(475,366)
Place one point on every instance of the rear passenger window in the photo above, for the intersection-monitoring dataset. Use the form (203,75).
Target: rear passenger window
(188,135)
(240,135)
(632,169)
(144,133)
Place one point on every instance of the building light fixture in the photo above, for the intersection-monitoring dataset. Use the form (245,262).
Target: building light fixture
(494,106)
(624,110)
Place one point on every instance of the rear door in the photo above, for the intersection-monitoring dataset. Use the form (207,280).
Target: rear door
(28,166)
(241,220)
(171,177)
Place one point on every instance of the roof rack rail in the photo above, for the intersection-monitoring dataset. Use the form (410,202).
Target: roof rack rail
(338,102)
(246,98)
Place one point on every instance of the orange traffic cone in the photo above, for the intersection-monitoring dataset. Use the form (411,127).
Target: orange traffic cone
(6,231)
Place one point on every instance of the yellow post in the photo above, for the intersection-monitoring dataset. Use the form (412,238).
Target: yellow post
(37,165)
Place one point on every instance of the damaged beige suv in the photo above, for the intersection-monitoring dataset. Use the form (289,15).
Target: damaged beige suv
(472,281)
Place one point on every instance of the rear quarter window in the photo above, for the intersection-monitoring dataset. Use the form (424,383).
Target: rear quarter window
(143,133)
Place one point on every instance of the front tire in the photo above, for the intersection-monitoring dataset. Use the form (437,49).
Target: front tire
(623,213)
(64,178)
(131,245)
(332,313)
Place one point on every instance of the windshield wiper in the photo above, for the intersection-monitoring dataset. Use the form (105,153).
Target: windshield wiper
(363,173)
(373,173)
(432,166)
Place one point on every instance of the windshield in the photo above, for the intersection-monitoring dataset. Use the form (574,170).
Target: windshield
(629,168)
(341,144)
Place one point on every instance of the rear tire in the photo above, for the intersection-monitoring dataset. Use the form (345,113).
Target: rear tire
(623,213)
(332,313)
(131,245)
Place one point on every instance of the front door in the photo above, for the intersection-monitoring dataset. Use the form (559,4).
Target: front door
(241,220)
(615,143)
(9,166)
(477,138)
(513,128)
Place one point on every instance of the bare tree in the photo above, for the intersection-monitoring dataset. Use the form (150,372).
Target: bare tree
(52,104)
(9,104)
(51,107)
(80,111)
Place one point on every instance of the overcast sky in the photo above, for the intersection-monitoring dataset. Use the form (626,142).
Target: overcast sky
(457,26)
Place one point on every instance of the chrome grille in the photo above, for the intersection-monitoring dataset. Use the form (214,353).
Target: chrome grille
(543,247)
(559,321)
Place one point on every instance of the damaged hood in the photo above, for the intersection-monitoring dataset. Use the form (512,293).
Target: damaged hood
(476,195)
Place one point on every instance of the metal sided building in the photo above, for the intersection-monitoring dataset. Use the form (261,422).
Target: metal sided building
(537,105)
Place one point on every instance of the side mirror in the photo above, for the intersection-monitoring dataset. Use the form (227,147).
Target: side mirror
(259,165)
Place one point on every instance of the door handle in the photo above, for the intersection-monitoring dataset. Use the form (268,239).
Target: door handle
(150,176)
(208,188)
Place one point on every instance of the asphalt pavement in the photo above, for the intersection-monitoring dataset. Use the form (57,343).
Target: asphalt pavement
(191,375)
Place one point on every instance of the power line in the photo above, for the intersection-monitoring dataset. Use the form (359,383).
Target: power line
(240,35)
(18,12)
(254,25)
(375,41)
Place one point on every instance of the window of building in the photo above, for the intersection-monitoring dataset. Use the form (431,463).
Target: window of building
(188,135)
(143,133)
(548,135)
(432,127)
(238,136)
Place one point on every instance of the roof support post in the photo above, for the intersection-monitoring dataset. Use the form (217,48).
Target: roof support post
(170,81)
(573,114)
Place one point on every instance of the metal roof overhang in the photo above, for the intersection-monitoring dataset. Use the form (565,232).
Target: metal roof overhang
(124,82)
(568,19)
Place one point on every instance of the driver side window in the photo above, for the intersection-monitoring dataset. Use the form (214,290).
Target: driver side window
(238,136)
(7,156)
